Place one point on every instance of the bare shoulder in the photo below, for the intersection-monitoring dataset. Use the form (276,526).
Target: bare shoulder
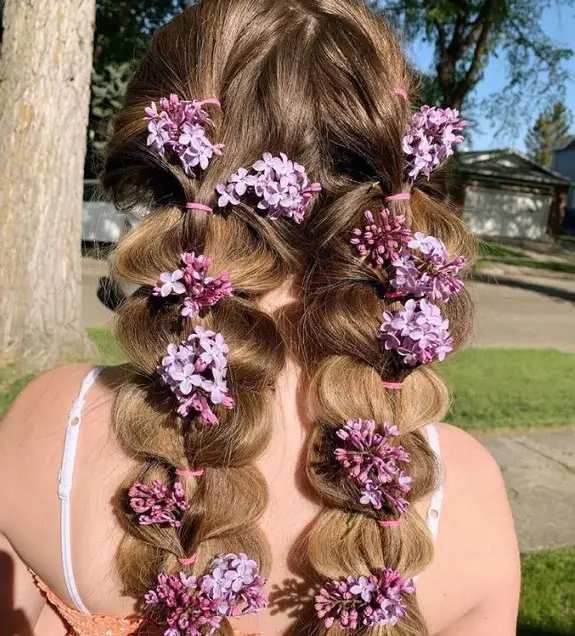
(477,556)
(469,464)
(32,431)
(475,494)
(49,390)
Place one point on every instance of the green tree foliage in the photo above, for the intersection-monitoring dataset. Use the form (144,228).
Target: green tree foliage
(551,129)
(123,32)
(467,34)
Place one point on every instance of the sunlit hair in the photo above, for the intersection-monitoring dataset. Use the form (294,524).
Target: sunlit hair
(316,80)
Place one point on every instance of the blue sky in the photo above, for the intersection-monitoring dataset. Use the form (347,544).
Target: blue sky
(559,23)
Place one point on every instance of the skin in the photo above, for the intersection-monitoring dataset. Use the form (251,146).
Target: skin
(471,589)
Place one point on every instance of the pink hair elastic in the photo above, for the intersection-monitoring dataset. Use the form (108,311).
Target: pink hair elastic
(390,524)
(189,561)
(402,196)
(213,101)
(401,92)
(198,206)
(395,386)
(189,473)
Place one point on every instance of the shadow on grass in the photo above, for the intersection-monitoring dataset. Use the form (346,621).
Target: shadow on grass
(528,630)
(547,290)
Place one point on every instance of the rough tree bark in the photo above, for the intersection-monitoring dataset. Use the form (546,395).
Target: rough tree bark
(44,95)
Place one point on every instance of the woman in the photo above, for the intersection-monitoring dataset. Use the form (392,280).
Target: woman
(278,416)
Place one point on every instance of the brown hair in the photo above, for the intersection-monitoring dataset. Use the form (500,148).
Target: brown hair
(314,79)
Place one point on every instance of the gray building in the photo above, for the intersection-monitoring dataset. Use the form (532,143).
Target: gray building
(564,163)
(505,194)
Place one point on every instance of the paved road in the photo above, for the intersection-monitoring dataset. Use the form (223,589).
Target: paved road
(524,312)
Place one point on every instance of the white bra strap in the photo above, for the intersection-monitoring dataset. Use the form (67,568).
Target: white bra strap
(434,512)
(65,479)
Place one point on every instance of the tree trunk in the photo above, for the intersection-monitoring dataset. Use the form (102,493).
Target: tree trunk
(44,95)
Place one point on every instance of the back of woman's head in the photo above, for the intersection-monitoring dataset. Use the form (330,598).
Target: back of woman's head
(325,82)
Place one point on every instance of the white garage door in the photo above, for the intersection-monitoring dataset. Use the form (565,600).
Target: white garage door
(492,212)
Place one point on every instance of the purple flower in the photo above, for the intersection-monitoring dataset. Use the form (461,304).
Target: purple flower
(196,371)
(180,126)
(357,602)
(373,462)
(430,139)
(227,195)
(421,264)
(158,503)
(193,606)
(281,185)
(241,181)
(158,136)
(192,281)
(236,584)
(425,271)
(171,284)
(418,333)
(381,243)
(364,588)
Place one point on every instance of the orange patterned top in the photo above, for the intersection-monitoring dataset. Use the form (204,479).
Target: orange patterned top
(99,624)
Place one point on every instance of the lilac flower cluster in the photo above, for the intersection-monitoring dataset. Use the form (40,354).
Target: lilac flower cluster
(372,461)
(235,583)
(282,186)
(196,606)
(430,139)
(357,602)
(383,242)
(422,272)
(196,372)
(180,126)
(158,503)
(192,282)
(418,333)
(421,263)
(425,271)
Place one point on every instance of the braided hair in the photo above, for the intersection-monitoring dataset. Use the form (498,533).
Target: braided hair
(267,142)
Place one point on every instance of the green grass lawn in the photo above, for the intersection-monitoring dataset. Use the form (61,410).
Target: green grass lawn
(492,388)
(110,352)
(490,253)
(11,384)
(566,268)
(491,250)
(548,594)
(511,388)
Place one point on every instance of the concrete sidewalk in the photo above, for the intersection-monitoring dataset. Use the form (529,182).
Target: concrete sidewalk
(93,311)
(539,472)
